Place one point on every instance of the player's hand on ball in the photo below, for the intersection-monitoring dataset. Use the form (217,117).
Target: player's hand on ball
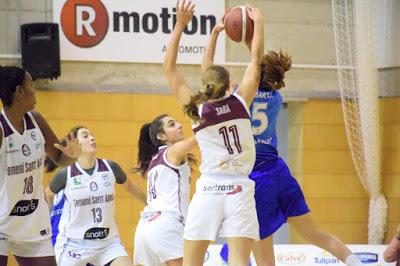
(220,25)
(254,13)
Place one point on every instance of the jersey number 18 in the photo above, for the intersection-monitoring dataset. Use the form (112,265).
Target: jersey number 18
(28,186)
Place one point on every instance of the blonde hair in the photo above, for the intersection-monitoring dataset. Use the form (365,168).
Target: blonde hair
(215,83)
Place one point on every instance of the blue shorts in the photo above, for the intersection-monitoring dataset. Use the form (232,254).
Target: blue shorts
(278,196)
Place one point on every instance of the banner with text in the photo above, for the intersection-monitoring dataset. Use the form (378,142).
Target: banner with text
(308,255)
(134,31)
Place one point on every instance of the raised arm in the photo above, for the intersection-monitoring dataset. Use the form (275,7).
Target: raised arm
(177,153)
(60,155)
(251,78)
(208,57)
(184,14)
(249,43)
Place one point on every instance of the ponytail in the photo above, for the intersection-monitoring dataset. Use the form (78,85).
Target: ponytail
(146,150)
(209,91)
(148,144)
(273,66)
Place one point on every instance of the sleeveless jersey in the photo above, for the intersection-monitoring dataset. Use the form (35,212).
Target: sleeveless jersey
(89,206)
(264,115)
(225,138)
(24,213)
(167,186)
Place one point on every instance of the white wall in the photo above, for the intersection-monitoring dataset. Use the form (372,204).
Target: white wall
(301,27)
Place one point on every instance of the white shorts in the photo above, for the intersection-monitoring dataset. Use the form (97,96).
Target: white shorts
(224,208)
(158,239)
(27,249)
(81,252)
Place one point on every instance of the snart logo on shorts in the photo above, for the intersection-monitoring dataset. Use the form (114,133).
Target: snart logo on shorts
(24,207)
(97,233)
(222,189)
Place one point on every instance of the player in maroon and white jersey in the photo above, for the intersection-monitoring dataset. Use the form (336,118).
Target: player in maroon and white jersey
(223,204)
(164,160)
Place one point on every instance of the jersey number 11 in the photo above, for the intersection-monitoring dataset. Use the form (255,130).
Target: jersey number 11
(224,131)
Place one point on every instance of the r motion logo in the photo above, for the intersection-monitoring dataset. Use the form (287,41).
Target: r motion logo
(84,22)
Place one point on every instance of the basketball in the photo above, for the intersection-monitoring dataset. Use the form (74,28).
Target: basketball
(237,28)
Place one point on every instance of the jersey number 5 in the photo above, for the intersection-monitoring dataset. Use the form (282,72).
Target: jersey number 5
(259,114)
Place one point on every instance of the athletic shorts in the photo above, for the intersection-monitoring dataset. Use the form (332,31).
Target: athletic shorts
(224,208)
(158,239)
(85,252)
(27,249)
(278,196)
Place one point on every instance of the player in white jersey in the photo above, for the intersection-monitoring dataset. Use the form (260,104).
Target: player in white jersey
(25,139)
(164,160)
(278,196)
(224,200)
(88,232)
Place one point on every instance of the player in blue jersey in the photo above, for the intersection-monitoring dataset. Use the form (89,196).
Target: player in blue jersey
(58,202)
(279,198)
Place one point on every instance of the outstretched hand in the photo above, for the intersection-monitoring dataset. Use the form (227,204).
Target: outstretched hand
(220,25)
(72,147)
(184,12)
(254,13)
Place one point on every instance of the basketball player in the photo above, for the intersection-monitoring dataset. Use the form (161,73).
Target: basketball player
(25,139)
(278,196)
(223,204)
(87,230)
(163,159)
